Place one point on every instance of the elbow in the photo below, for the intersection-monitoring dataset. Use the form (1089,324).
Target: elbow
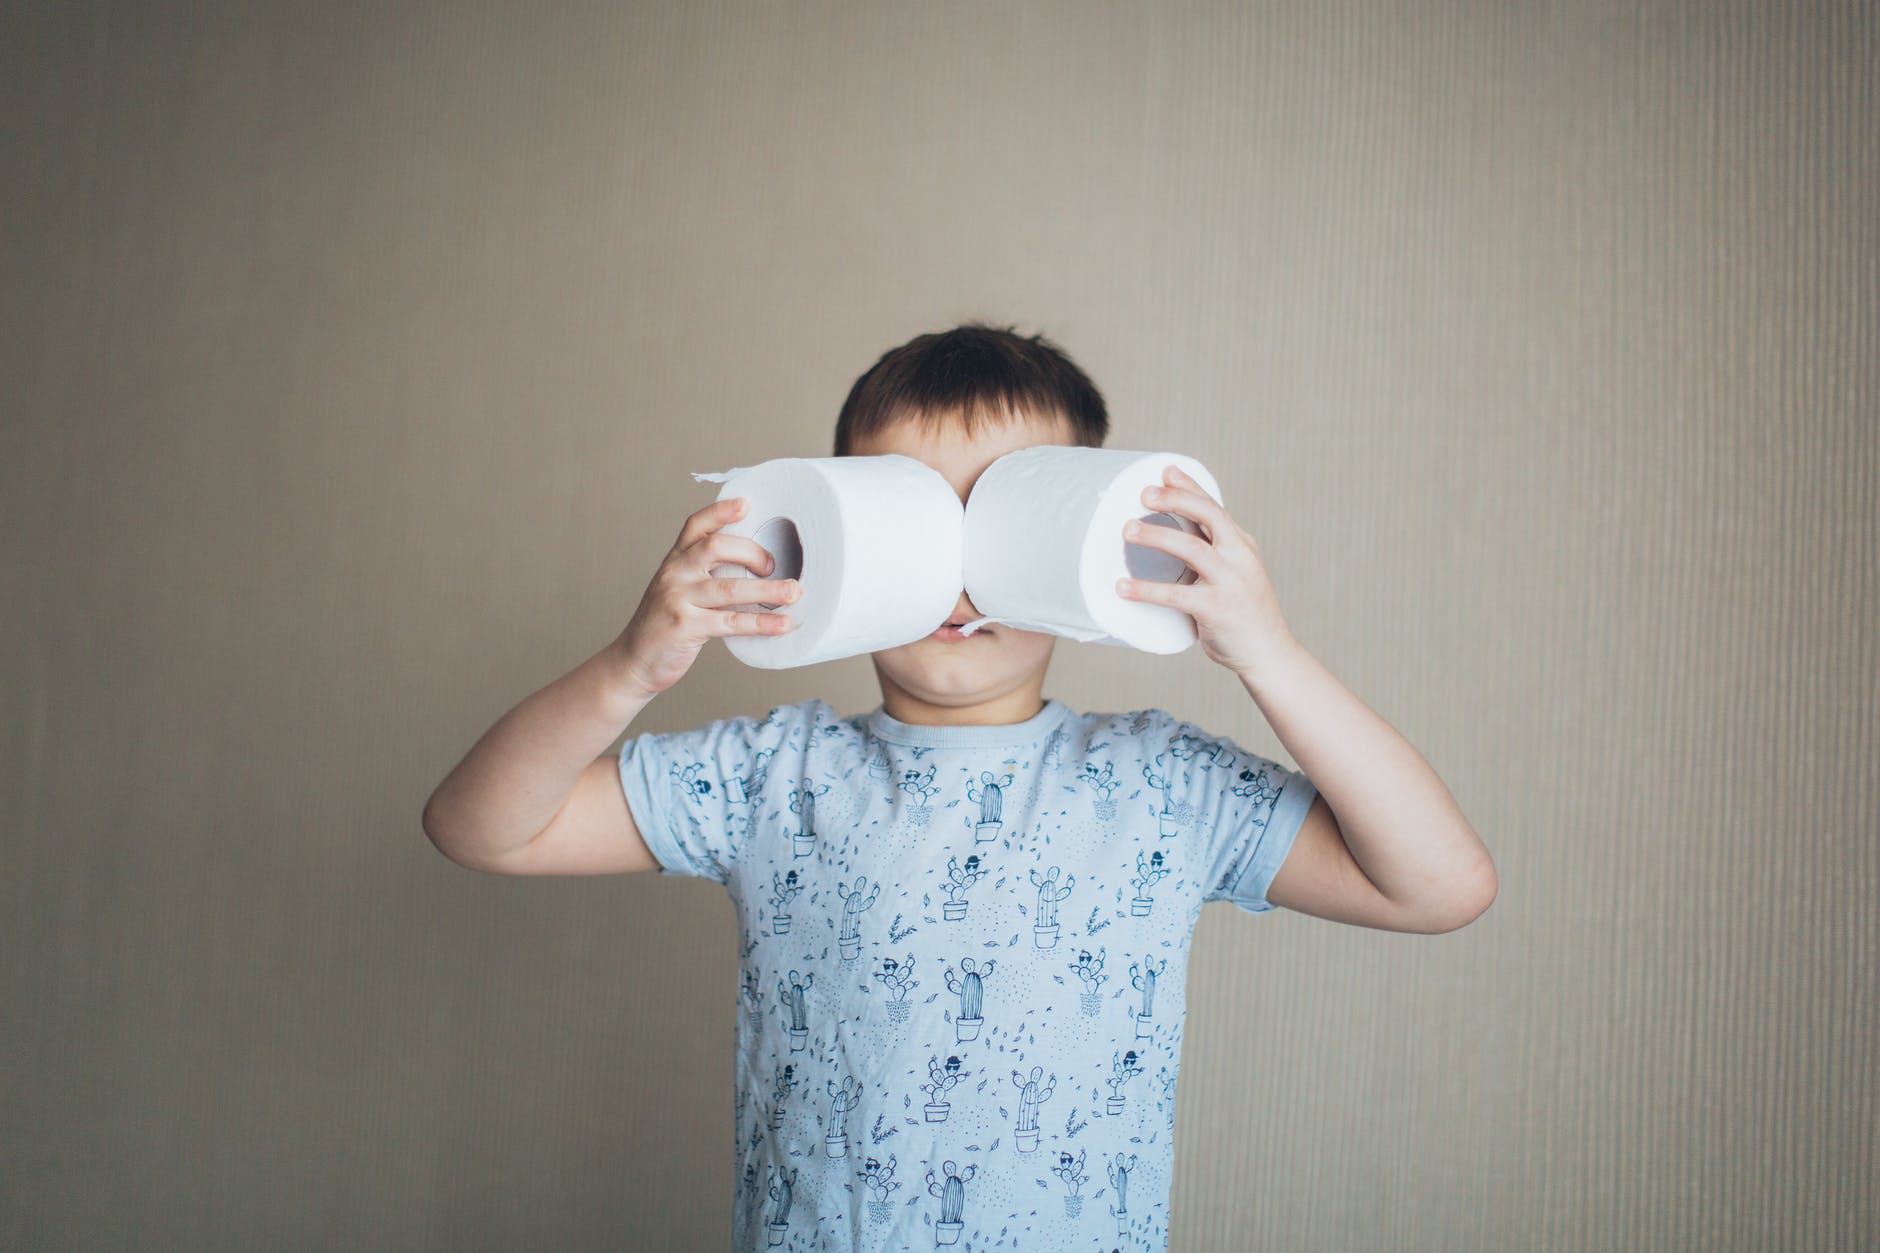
(432,822)
(1471,902)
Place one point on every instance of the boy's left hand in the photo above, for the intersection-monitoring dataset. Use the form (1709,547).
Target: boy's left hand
(1231,599)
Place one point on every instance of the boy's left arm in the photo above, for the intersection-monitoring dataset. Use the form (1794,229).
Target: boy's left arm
(1384,843)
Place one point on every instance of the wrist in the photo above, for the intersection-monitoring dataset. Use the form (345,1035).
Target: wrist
(626,690)
(1283,656)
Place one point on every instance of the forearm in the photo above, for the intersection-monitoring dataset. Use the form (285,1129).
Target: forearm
(1397,816)
(515,779)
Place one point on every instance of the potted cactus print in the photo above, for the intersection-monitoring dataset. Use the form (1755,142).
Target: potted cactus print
(920,785)
(854,901)
(741,790)
(841,1101)
(1104,783)
(959,878)
(1119,1183)
(940,1080)
(952,1193)
(796,999)
(970,985)
(1142,976)
(898,977)
(782,1192)
(881,1184)
(1071,1171)
(989,795)
(779,1092)
(1150,871)
(1033,1090)
(1168,817)
(1122,1070)
(803,805)
(784,888)
(1045,928)
(878,767)
(1090,970)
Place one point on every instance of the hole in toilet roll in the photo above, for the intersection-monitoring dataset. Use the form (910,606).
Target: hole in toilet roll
(1152,565)
(777,537)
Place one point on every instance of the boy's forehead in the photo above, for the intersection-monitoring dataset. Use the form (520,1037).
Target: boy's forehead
(959,455)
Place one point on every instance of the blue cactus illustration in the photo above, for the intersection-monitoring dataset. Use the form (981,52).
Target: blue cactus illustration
(1090,970)
(841,1100)
(1255,785)
(1150,870)
(920,785)
(941,1079)
(691,780)
(1071,1171)
(1166,1078)
(1123,1068)
(1104,783)
(1142,977)
(878,767)
(795,999)
(989,795)
(1120,1169)
(959,878)
(879,1177)
(803,805)
(854,901)
(780,1088)
(1033,1090)
(1206,753)
(782,1192)
(898,978)
(952,1194)
(783,890)
(1045,926)
(970,985)
(743,789)
(1168,816)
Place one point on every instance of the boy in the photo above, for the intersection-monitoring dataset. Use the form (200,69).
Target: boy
(965,917)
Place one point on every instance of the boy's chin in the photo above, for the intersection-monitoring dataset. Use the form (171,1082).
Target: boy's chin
(943,672)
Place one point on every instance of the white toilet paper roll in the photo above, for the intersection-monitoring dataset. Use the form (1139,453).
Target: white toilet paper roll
(874,541)
(1044,545)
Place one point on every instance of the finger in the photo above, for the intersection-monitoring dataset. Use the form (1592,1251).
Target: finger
(1183,596)
(709,519)
(717,593)
(1191,503)
(744,622)
(1193,551)
(718,549)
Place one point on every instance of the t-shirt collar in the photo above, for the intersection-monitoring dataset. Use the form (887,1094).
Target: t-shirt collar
(1034,729)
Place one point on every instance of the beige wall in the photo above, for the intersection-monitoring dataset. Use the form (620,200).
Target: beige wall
(353,362)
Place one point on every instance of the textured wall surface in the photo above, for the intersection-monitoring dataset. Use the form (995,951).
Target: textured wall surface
(351,361)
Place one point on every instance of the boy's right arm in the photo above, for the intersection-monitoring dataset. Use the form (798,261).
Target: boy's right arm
(533,796)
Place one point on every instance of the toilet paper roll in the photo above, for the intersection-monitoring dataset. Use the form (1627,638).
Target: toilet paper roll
(1044,545)
(874,541)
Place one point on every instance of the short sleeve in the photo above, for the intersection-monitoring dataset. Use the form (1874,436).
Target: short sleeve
(1246,809)
(694,794)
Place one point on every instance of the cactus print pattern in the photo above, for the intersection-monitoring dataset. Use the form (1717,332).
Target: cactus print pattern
(930,918)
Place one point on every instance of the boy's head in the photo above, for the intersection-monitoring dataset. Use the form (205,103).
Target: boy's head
(958,400)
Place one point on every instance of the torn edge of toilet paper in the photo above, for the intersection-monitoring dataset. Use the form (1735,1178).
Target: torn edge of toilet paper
(1082,636)
(717,476)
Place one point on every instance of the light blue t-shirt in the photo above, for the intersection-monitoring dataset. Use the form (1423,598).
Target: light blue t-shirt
(964,957)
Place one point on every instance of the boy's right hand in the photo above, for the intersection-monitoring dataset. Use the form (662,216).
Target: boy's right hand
(685,605)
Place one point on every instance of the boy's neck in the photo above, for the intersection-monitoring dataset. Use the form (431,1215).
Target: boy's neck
(1018,705)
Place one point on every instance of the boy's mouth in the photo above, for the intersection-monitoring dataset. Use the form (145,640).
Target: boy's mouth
(949,631)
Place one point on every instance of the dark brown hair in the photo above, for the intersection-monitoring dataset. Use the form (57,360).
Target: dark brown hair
(973,374)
